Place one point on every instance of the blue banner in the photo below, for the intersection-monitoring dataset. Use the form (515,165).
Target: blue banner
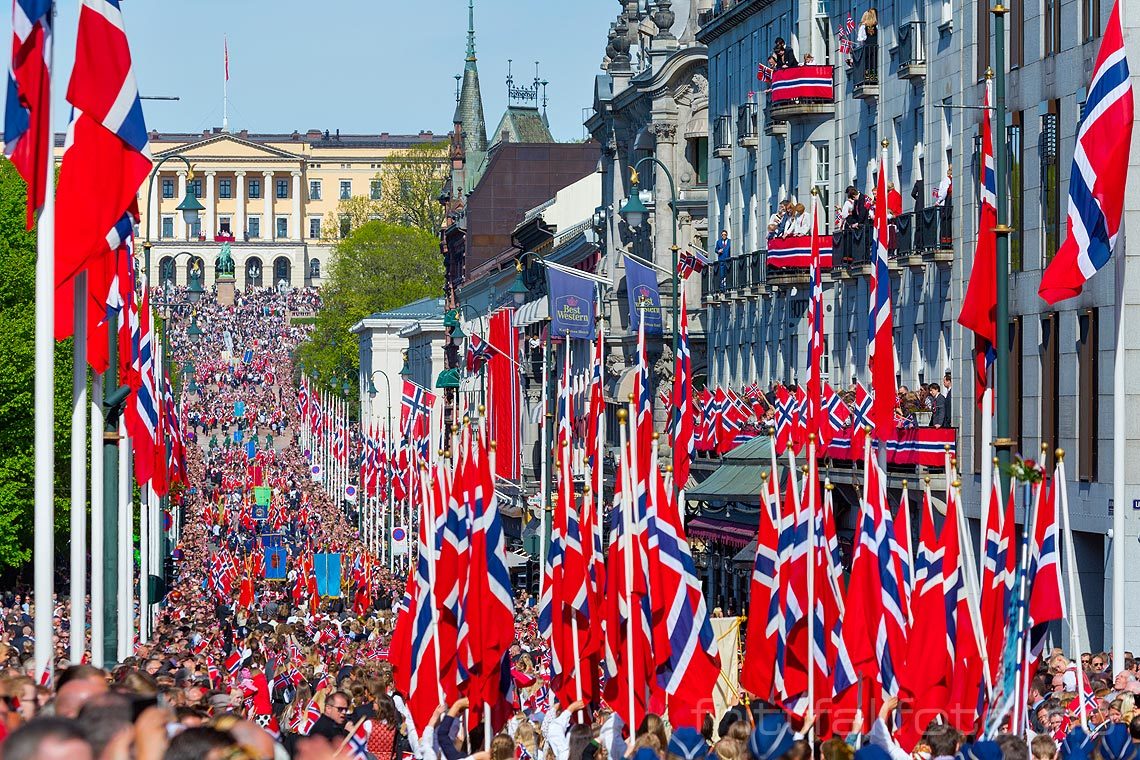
(248,356)
(644,298)
(275,563)
(572,305)
(251,449)
(239,408)
(327,569)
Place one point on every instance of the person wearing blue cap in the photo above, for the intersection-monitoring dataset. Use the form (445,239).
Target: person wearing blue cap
(686,743)
(1116,743)
(772,738)
(1078,745)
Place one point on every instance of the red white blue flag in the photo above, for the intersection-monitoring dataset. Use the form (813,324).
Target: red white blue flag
(1099,173)
(880,337)
(27,131)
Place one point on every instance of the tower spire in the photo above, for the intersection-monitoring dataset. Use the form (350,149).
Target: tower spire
(470,30)
(469,108)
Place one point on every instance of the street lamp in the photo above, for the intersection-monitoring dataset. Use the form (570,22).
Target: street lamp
(448,378)
(190,207)
(193,331)
(406,370)
(195,290)
(518,289)
(454,325)
(634,211)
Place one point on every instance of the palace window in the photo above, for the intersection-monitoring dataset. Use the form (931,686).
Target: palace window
(167,188)
(314,189)
(374,189)
(282,227)
(255,188)
(196,187)
(225,188)
(282,188)
(345,189)
(167,227)
(253,226)
(1088,395)
(314,227)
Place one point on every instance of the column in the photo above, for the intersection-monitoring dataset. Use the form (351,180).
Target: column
(296,221)
(179,222)
(238,226)
(153,217)
(209,228)
(267,224)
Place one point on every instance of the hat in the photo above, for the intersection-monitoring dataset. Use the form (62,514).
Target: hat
(983,750)
(872,752)
(687,743)
(772,738)
(645,754)
(1116,743)
(1077,744)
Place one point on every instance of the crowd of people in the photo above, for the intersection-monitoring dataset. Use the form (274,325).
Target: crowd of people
(243,666)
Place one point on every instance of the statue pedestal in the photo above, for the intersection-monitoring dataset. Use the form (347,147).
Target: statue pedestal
(225,287)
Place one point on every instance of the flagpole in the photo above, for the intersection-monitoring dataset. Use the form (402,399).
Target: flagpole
(79,413)
(627,530)
(987,469)
(1023,622)
(97,538)
(543,489)
(44,414)
(226,88)
(810,485)
(564,463)
(973,588)
(1061,484)
(125,555)
(427,511)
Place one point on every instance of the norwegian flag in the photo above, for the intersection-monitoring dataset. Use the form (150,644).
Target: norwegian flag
(688,661)
(106,157)
(758,675)
(682,422)
(963,644)
(303,400)
(27,131)
(979,304)
(800,420)
(234,661)
(212,673)
(478,352)
(815,331)
(1099,173)
(845,45)
(850,24)
(706,414)
(641,438)
(904,553)
(880,336)
(764,73)
(791,656)
(1046,598)
(730,422)
(998,574)
(860,416)
(787,415)
(836,416)
(416,404)
(358,741)
(689,263)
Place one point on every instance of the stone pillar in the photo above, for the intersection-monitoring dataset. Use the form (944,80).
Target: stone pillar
(296,221)
(238,227)
(179,222)
(267,224)
(209,228)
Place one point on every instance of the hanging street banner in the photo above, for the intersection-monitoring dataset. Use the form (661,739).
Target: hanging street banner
(399,540)
(644,298)
(572,305)
(275,563)
(327,569)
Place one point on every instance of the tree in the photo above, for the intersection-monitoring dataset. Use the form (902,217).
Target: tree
(378,266)
(410,185)
(351,214)
(17,381)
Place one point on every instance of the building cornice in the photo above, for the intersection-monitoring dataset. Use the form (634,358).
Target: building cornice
(733,17)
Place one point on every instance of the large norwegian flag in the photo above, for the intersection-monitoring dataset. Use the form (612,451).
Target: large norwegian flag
(1046,599)
(791,641)
(815,332)
(979,304)
(27,131)
(416,404)
(683,421)
(835,417)
(1099,173)
(106,156)
(880,336)
(142,409)
(998,575)
(688,661)
(758,675)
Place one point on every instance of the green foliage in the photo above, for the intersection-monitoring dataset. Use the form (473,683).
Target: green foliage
(377,267)
(17,378)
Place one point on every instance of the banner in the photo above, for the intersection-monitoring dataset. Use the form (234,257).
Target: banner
(251,448)
(801,82)
(275,563)
(795,251)
(572,305)
(261,495)
(350,493)
(259,511)
(644,298)
(327,569)
(239,408)
(399,540)
(317,473)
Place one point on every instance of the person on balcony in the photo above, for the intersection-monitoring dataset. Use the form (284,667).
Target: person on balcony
(782,57)
(940,416)
(800,224)
(723,252)
(868,38)
(776,220)
(943,196)
(860,210)
(894,201)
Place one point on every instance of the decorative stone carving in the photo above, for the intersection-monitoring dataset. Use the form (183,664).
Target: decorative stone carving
(614,365)
(665,131)
(664,17)
(663,367)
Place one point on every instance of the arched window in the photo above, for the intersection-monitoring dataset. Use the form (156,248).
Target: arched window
(314,269)
(166,271)
(253,273)
(282,274)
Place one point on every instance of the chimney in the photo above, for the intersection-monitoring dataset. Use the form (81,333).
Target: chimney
(244,134)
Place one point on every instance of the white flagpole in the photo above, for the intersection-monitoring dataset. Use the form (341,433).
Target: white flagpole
(1119,603)
(987,470)
(1062,487)
(544,496)
(79,412)
(600,465)
(97,538)
(812,507)
(126,558)
(144,559)
(626,507)
(973,585)
(44,416)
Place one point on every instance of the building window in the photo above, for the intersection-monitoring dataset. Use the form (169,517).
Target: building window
(195,186)
(314,227)
(224,225)
(1016,28)
(821,178)
(225,188)
(314,269)
(282,188)
(1050,380)
(1090,20)
(314,189)
(1050,181)
(1016,193)
(167,188)
(345,225)
(255,188)
(983,41)
(374,189)
(167,227)
(345,189)
(1015,380)
(282,227)
(699,158)
(1051,24)
(1088,395)
(253,225)
(196,228)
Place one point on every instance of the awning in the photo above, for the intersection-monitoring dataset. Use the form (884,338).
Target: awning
(532,311)
(738,477)
(698,125)
(732,533)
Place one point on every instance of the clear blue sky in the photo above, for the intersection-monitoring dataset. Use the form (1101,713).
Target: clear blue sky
(356,65)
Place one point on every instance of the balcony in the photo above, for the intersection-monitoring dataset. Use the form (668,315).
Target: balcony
(912,51)
(722,136)
(864,74)
(737,277)
(747,133)
(801,92)
(916,239)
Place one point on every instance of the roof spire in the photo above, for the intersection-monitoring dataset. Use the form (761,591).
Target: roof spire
(471,30)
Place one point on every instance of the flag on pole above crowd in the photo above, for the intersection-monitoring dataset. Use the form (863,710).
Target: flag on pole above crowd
(27,132)
(880,338)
